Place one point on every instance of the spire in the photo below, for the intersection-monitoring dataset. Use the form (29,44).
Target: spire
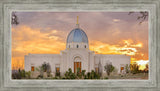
(77,19)
(77,22)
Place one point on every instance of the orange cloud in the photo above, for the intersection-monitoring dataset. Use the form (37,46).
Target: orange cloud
(27,40)
(127,47)
(32,40)
(105,48)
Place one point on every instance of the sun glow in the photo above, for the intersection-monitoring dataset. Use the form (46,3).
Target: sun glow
(48,36)
(142,64)
(128,47)
(45,45)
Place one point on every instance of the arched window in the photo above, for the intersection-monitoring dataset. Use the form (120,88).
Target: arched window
(85,46)
(77,46)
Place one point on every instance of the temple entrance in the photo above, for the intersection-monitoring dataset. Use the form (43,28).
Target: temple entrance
(77,64)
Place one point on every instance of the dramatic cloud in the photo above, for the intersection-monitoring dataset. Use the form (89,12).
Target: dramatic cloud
(108,33)
(26,40)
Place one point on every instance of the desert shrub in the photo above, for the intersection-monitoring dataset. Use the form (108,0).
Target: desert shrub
(81,75)
(146,69)
(106,78)
(109,68)
(57,74)
(88,75)
(28,74)
(45,67)
(92,75)
(20,74)
(83,72)
(16,76)
(134,68)
(127,68)
(69,74)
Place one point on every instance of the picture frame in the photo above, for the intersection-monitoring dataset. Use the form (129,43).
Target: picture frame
(7,6)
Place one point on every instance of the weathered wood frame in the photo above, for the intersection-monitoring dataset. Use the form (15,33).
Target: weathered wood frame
(7,6)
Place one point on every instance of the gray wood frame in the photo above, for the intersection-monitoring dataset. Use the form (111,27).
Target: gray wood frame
(7,6)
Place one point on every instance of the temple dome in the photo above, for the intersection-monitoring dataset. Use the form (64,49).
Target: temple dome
(77,35)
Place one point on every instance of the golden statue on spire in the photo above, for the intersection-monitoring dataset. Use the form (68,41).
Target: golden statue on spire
(77,22)
(77,19)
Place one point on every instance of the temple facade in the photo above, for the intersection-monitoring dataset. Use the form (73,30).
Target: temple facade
(77,55)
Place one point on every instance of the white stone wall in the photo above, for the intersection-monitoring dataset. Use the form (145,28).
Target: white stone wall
(65,60)
(117,60)
(37,60)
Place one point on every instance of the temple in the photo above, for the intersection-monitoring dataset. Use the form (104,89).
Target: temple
(76,55)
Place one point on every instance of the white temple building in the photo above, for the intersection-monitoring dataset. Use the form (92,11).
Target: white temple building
(77,55)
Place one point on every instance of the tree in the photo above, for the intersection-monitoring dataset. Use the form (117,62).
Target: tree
(134,68)
(109,68)
(40,69)
(100,68)
(146,69)
(14,19)
(127,68)
(144,15)
(45,67)
(48,70)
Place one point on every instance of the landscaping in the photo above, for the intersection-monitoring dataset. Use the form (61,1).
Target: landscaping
(44,72)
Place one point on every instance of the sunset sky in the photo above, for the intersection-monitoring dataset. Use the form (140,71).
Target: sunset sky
(108,33)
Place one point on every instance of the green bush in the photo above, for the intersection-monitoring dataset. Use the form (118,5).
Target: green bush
(21,74)
(80,75)
(28,74)
(106,78)
(92,75)
(57,74)
(134,68)
(69,74)
(109,68)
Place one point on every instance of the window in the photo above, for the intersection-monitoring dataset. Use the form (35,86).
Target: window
(32,68)
(85,46)
(69,46)
(57,71)
(77,46)
(96,69)
(122,68)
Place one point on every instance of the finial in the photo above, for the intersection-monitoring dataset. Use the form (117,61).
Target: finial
(77,19)
(77,22)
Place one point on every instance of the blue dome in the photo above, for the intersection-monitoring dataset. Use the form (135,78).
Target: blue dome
(77,35)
